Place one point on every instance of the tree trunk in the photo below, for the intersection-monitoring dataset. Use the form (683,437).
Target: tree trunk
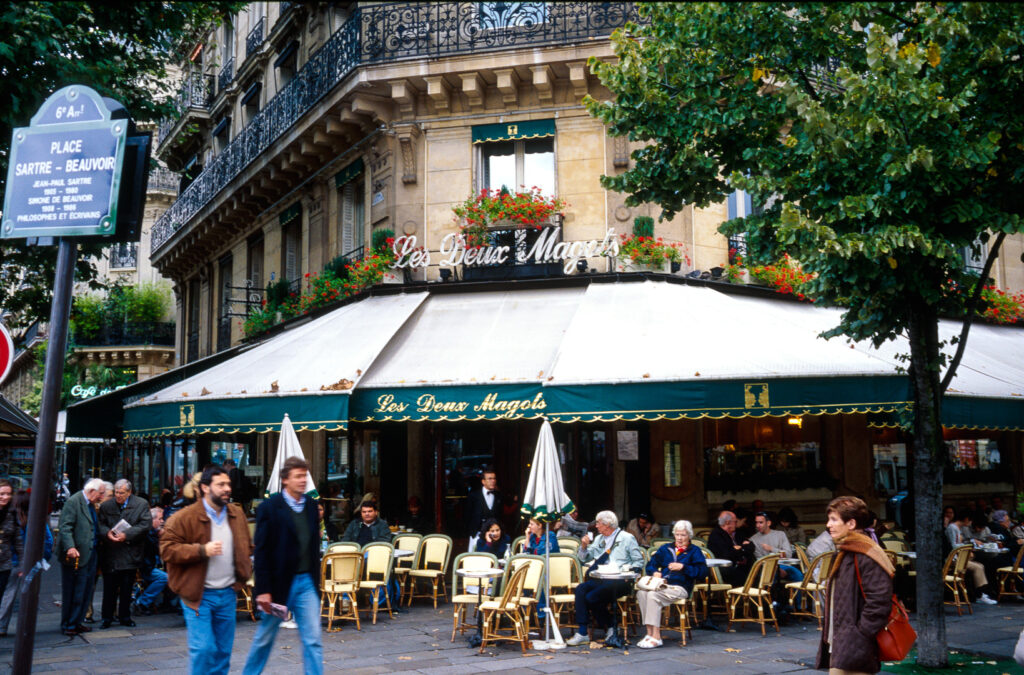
(929,458)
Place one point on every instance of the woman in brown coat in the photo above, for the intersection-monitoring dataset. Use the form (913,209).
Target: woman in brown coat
(855,610)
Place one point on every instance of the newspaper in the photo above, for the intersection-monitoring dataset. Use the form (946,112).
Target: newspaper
(121,527)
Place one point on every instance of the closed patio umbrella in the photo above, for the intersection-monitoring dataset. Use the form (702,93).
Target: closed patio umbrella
(545,500)
(288,446)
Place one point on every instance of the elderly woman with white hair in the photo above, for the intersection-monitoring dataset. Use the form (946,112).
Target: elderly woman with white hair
(680,564)
(612,546)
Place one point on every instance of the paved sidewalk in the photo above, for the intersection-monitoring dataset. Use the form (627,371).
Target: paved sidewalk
(417,640)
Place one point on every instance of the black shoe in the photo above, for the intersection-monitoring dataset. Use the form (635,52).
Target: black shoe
(83,629)
(128,623)
(613,640)
(89,619)
(106,623)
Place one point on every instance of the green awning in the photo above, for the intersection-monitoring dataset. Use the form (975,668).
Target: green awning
(512,131)
(455,403)
(348,173)
(290,213)
(961,412)
(726,398)
(257,414)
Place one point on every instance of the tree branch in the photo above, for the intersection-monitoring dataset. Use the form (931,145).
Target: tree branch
(807,84)
(972,307)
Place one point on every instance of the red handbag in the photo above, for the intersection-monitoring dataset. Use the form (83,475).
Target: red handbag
(898,636)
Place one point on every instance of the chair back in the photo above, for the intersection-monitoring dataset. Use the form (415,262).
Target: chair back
(801,553)
(703,534)
(1017,558)
(894,545)
(514,588)
(563,571)
(534,565)
(698,541)
(343,547)
(762,573)
(822,565)
(896,534)
(435,552)
(518,545)
(472,561)
(660,541)
(344,567)
(409,542)
(568,544)
(963,557)
(379,556)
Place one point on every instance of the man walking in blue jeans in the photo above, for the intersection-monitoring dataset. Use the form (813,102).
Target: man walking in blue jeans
(287,564)
(206,548)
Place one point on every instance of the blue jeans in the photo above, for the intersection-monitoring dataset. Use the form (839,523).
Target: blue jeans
(304,603)
(211,631)
(792,574)
(76,591)
(156,582)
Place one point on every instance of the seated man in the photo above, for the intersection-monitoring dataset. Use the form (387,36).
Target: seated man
(724,544)
(612,546)
(155,578)
(369,527)
(767,541)
(644,529)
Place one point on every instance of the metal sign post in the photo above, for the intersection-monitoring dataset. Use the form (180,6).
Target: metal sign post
(64,180)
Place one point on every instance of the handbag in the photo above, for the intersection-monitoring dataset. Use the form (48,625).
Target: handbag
(898,636)
(649,583)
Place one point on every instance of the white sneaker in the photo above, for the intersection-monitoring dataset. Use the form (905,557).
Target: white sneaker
(983,599)
(576,640)
(289,624)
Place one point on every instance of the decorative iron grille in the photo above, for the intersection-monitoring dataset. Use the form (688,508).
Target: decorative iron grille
(195,92)
(163,179)
(227,75)
(254,39)
(124,255)
(392,32)
(157,333)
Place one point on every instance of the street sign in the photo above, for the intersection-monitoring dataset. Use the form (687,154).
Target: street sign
(6,353)
(65,169)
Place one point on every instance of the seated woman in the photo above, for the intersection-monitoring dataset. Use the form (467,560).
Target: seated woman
(535,543)
(491,539)
(680,565)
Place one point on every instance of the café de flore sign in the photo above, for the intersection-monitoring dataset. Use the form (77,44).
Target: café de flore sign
(65,169)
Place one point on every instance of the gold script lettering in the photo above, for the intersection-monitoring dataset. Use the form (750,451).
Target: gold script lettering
(386,404)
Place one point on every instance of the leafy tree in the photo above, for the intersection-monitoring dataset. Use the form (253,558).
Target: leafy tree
(120,49)
(95,375)
(883,139)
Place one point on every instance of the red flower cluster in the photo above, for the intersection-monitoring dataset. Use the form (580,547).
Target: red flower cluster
(651,250)
(525,208)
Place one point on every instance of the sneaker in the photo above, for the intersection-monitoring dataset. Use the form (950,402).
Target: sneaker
(576,640)
(983,599)
(289,624)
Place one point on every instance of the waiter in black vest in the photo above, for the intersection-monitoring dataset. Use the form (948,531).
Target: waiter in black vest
(484,502)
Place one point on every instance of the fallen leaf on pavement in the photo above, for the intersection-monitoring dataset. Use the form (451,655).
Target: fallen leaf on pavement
(405,658)
(730,649)
(596,645)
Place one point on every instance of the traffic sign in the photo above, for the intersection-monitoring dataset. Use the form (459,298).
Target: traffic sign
(6,353)
(65,169)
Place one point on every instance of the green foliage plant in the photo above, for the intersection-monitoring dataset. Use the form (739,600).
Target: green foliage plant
(883,138)
(643,226)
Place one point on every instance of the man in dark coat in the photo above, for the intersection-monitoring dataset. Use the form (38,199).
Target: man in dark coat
(484,502)
(123,550)
(77,548)
(287,568)
(724,543)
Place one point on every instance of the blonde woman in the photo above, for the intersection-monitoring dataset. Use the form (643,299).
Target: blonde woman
(680,564)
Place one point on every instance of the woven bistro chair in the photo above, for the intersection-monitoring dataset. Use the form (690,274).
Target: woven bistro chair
(244,601)
(464,590)
(533,585)
(718,588)
(813,591)
(1011,578)
(379,557)
(565,574)
(756,593)
(681,609)
(506,607)
(801,553)
(409,542)
(344,547)
(431,564)
(953,576)
(518,545)
(340,574)
(568,544)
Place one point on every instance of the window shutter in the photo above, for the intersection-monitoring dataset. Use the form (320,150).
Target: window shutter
(291,271)
(348,195)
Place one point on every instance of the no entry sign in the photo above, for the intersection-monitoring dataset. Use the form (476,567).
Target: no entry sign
(65,169)
(6,353)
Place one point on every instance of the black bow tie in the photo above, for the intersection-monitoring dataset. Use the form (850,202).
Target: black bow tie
(488,492)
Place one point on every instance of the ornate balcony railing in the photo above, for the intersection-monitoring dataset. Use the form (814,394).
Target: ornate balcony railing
(163,179)
(124,255)
(195,92)
(133,333)
(392,32)
(254,39)
(227,75)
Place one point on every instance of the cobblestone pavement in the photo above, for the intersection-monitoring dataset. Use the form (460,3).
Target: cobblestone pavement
(417,640)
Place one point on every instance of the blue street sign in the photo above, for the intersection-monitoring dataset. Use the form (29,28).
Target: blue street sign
(65,169)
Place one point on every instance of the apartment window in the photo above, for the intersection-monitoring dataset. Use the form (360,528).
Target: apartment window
(221,133)
(192,337)
(254,268)
(514,154)
(224,304)
(291,242)
(351,209)
(250,101)
(286,63)
(494,15)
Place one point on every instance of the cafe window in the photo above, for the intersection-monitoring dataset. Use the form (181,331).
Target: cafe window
(890,467)
(751,454)
(516,154)
(222,451)
(981,454)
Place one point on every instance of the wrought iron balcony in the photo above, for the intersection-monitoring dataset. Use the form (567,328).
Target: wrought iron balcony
(227,75)
(195,92)
(163,179)
(385,33)
(132,333)
(254,40)
(124,255)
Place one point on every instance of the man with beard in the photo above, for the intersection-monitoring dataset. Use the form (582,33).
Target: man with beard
(206,549)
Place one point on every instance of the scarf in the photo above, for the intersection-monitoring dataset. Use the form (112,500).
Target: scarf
(858,542)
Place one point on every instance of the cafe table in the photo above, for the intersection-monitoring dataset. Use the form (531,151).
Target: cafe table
(707,623)
(627,576)
(475,640)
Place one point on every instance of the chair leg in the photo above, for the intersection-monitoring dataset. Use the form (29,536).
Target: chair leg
(455,619)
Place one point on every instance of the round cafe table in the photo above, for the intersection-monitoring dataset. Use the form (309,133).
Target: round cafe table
(707,623)
(475,640)
(627,576)
(403,553)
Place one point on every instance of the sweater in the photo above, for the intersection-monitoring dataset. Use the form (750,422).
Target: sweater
(694,566)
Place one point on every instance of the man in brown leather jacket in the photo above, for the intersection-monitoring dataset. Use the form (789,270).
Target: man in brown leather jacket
(206,549)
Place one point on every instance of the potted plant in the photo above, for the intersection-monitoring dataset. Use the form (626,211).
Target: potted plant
(503,209)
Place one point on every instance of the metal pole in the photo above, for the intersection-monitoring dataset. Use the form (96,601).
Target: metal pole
(43,462)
